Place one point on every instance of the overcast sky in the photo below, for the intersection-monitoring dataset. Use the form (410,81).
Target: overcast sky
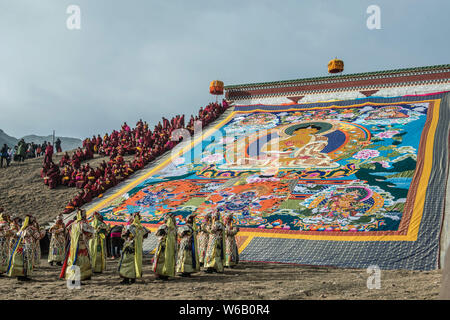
(147,59)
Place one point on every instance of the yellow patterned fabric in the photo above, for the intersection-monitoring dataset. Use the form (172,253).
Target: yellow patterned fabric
(80,231)
(214,253)
(164,260)
(21,260)
(130,265)
(187,260)
(57,243)
(231,249)
(97,245)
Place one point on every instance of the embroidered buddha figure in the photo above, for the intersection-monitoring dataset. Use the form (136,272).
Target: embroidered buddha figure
(303,148)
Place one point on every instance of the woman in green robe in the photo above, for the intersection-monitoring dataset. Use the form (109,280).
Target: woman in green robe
(130,265)
(21,260)
(77,265)
(203,238)
(57,242)
(37,242)
(231,249)
(97,245)
(165,255)
(215,251)
(187,261)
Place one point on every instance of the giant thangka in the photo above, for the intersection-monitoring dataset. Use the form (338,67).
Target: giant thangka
(347,183)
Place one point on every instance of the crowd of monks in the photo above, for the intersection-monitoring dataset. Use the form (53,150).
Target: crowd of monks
(79,246)
(146,145)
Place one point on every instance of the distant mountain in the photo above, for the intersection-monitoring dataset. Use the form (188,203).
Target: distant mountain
(66,143)
(4,138)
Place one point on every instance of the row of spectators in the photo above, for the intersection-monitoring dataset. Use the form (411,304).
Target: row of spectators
(145,144)
(24,150)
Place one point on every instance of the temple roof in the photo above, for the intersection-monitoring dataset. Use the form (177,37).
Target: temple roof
(355,81)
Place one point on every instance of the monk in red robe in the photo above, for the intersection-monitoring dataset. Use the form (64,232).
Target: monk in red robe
(76,161)
(66,175)
(53,175)
(80,179)
(87,196)
(64,160)
(91,175)
(76,202)
(48,153)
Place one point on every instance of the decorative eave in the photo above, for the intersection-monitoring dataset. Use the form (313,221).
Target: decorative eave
(363,82)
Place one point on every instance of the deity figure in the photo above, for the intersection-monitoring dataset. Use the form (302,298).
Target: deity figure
(303,148)
(343,205)
(391,112)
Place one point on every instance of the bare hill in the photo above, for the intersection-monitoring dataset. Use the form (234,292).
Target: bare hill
(22,190)
(4,138)
(67,143)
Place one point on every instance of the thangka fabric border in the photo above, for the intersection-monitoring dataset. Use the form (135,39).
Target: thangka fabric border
(421,254)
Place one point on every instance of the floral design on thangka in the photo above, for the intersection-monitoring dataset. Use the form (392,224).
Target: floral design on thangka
(244,124)
(388,125)
(390,115)
(384,150)
(158,199)
(389,112)
(248,202)
(259,118)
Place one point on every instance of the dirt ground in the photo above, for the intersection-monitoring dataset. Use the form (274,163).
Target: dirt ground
(22,191)
(252,281)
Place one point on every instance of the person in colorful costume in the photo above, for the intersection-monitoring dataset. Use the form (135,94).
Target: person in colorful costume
(231,249)
(22,255)
(165,255)
(78,253)
(37,242)
(215,251)
(4,240)
(203,238)
(14,228)
(97,245)
(187,261)
(130,265)
(57,246)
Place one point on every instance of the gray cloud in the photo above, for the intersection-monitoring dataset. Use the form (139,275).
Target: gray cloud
(147,59)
